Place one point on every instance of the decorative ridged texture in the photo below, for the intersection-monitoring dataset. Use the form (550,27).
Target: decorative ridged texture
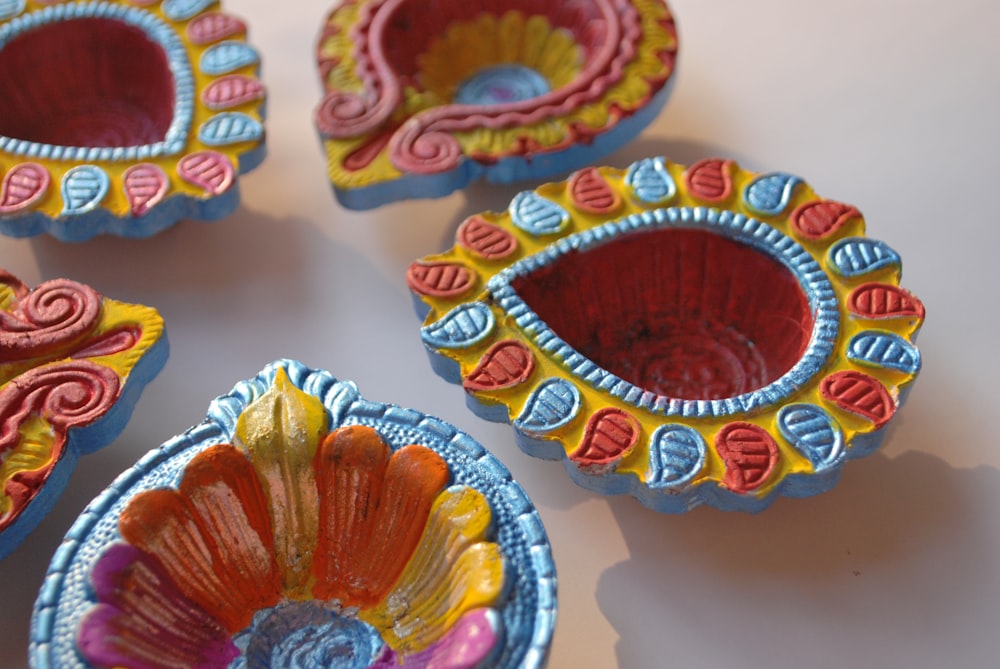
(300,516)
(68,357)
(118,133)
(423,97)
(699,335)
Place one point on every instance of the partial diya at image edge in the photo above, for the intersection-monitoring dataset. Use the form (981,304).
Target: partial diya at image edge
(73,367)
(541,88)
(303,493)
(576,315)
(135,143)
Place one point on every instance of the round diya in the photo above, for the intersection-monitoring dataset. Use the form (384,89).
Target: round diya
(424,96)
(122,117)
(301,525)
(689,336)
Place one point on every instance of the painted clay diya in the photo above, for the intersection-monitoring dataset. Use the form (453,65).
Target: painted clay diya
(301,525)
(689,336)
(123,116)
(424,96)
(72,366)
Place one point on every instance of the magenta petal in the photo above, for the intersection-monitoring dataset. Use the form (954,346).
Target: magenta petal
(143,620)
(465,645)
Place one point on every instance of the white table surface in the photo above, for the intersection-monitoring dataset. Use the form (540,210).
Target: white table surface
(889,105)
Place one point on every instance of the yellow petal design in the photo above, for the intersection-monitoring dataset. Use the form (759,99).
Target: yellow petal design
(281,432)
(452,571)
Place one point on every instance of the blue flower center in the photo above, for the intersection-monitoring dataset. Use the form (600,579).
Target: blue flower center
(501,84)
(306,635)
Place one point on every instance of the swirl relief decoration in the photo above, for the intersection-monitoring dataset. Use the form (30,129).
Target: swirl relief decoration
(423,96)
(71,364)
(690,335)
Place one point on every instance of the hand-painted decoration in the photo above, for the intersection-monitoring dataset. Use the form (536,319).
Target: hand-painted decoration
(713,337)
(122,81)
(422,98)
(72,366)
(302,525)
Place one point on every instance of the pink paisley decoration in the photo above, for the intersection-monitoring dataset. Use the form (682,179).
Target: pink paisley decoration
(710,179)
(208,169)
(145,185)
(68,394)
(750,454)
(485,239)
(231,91)
(505,364)
(23,186)
(592,193)
(609,436)
(213,27)
(56,315)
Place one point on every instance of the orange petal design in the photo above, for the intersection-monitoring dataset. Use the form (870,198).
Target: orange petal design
(162,523)
(223,490)
(373,508)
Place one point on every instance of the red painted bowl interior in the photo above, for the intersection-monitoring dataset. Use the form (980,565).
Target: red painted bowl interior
(85,82)
(683,313)
(415,23)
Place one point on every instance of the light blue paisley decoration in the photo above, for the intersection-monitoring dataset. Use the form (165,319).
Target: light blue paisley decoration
(650,181)
(884,349)
(10,8)
(230,128)
(536,215)
(182,10)
(226,57)
(554,403)
(463,326)
(856,256)
(676,455)
(813,432)
(769,194)
(84,187)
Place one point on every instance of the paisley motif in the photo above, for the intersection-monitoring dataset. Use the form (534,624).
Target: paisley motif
(609,436)
(536,215)
(821,218)
(463,326)
(485,239)
(84,187)
(710,180)
(813,432)
(551,405)
(677,454)
(22,187)
(750,455)
(145,185)
(879,348)
(858,256)
(591,193)
(770,194)
(230,128)
(506,363)
(650,181)
(439,278)
(860,394)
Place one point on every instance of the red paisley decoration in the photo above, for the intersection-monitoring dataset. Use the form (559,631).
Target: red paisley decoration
(214,26)
(591,193)
(882,300)
(610,434)
(506,363)
(710,179)
(816,220)
(66,395)
(231,91)
(53,317)
(485,239)
(439,279)
(750,455)
(859,394)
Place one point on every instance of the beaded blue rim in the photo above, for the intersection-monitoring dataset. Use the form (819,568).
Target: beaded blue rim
(528,611)
(156,30)
(757,234)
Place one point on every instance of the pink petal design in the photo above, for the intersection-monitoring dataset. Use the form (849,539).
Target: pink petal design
(208,169)
(214,26)
(145,185)
(232,91)
(465,645)
(23,186)
(143,621)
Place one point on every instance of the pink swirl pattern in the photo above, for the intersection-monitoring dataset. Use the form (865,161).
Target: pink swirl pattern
(68,394)
(55,316)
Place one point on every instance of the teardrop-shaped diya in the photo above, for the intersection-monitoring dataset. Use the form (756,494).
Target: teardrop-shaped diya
(424,96)
(72,366)
(696,335)
(303,525)
(122,117)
